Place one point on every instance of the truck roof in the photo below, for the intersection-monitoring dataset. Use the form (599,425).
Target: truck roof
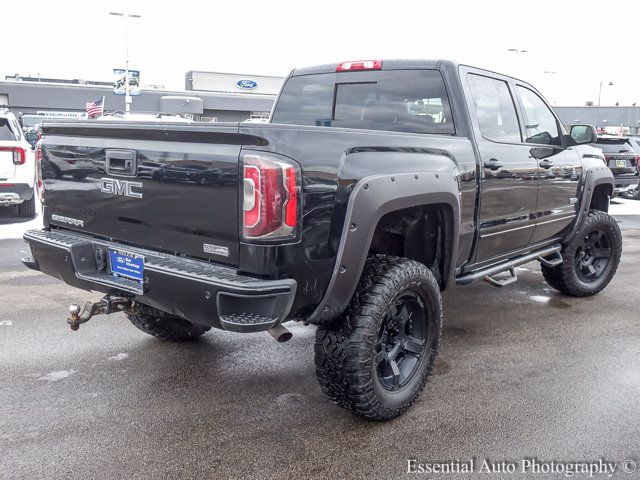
(387,64)
(399,64)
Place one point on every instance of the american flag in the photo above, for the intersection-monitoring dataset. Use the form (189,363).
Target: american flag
(95,108)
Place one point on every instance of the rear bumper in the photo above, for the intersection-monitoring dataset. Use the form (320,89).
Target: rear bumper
(14,194)
(624,183)
(200,291)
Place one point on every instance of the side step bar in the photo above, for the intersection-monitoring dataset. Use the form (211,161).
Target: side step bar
(552,251)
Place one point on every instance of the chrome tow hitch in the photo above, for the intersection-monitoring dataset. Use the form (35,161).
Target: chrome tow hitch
(108,304)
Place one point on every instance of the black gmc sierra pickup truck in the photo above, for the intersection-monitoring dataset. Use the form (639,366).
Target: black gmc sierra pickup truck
(375,186)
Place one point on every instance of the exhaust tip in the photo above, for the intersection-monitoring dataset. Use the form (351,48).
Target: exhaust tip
(280,334)
(285,337)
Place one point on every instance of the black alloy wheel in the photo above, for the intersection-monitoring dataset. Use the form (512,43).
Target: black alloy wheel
(593,255)
(401,342)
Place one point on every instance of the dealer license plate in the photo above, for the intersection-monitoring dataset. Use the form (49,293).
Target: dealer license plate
(126,264)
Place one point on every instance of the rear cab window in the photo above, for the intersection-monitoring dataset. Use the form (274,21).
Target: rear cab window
(614,145)
(413,101)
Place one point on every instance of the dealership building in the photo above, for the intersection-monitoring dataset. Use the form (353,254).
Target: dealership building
(624,119)
(222,97)
(208,96)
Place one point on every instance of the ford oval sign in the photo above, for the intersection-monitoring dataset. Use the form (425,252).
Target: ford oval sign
(246,84)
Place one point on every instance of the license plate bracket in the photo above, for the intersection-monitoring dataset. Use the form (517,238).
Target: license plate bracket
(126,265)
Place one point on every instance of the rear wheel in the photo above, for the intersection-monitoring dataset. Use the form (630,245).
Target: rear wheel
(590,259)
(27,209)
(376,359)
(166,327)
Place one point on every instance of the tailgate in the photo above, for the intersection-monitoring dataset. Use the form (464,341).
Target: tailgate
(7,168)
(622,164)
(166,187)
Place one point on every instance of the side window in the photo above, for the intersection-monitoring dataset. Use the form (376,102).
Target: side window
(496,112)
(540,123)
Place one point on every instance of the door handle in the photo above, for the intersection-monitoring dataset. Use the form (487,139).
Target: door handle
(546,164)
(493,164)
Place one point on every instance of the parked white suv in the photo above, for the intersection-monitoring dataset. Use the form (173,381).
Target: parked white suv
(17,167)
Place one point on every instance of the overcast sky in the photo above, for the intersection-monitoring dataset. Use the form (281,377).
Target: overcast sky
(582,42)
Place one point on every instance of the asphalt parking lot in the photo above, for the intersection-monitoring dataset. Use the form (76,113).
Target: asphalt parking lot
(523,372)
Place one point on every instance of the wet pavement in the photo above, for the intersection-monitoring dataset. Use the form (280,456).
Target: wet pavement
(524,372)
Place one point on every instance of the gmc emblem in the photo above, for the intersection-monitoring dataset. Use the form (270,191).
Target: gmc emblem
(120,187)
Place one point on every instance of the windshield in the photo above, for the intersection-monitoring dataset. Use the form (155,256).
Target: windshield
(412,101)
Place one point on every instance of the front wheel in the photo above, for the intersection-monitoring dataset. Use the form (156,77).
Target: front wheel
(590,259)
(377,357)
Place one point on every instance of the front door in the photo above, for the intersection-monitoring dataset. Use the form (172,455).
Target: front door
(560,168)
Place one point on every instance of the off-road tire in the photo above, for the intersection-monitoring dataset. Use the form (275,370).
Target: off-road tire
(345,351)
(166,327)
(27,209)
(565,278)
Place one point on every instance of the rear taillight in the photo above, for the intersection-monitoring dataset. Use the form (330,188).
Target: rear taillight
(19,154)
(359,65)
(270,197)
(39,185)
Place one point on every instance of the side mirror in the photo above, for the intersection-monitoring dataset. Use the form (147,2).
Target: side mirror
(583,134)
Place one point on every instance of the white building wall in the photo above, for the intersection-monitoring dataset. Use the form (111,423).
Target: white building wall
(231,83)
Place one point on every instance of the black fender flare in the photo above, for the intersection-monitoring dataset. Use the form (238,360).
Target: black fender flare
(594,176)
(370,200)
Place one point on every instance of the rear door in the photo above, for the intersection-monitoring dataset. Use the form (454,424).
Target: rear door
(560,168)
(509,174)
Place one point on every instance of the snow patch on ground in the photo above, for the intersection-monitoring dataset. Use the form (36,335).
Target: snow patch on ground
(55,376)
(540,298)
(624,206)
(119,357)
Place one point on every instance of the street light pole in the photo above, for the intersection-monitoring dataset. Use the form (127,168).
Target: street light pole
(600,91)
(127,90)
